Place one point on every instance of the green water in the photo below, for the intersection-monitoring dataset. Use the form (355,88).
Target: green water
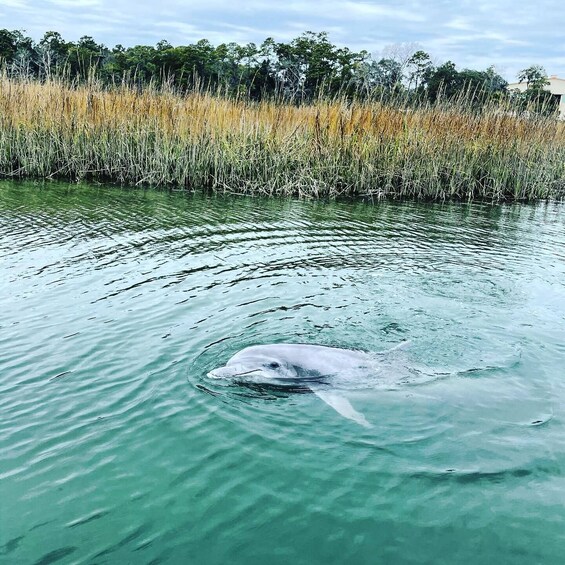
(115,447)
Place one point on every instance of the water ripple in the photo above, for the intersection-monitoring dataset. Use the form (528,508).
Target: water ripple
(116,447)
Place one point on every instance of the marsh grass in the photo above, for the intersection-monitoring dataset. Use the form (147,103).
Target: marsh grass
(329,148)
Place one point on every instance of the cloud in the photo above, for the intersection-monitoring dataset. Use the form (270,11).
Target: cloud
(350,11)
(459,23)
(472,33)
(14,3)
(76,4)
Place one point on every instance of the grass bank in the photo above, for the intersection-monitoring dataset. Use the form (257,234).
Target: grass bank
(331,148)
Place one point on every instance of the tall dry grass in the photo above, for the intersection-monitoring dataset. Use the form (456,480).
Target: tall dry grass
(331,148)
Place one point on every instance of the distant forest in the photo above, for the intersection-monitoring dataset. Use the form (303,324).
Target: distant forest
(299,71)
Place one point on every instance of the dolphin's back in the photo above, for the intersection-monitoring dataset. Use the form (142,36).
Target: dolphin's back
(318,359)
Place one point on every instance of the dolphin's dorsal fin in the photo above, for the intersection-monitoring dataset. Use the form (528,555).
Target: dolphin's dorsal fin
(342,406)
(403,345)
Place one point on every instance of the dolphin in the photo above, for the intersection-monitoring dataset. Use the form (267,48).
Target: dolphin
(325,371)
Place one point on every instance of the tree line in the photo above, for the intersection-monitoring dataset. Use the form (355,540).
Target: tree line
(300,70)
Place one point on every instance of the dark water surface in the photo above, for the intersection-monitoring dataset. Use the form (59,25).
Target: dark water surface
(115,448)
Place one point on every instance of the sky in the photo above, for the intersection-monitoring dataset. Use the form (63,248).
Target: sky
(509,34)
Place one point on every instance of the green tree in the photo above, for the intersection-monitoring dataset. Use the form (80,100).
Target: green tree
(477,86)
(310,64)
(8,45)
(17,52)
(388,74)
(536,99)
(86,57)
(443,81)
(495,82)
(535,77)
(52,53)
(136,63)
(418,66)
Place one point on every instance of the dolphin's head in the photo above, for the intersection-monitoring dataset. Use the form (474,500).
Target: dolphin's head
(255,366)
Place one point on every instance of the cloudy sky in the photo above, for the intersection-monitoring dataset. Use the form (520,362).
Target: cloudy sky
(511,34)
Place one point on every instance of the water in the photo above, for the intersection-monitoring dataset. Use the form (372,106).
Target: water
(116,448)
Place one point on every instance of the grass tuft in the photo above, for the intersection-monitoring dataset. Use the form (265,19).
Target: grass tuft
(328,149)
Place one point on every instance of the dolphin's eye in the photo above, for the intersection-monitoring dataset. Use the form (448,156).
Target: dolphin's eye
(274,365)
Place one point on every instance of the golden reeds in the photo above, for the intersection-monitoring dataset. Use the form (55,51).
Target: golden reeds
(330,148)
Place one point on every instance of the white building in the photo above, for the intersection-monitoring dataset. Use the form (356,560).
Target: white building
(556,86)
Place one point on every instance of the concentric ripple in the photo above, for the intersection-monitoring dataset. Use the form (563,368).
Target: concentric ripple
(116,447)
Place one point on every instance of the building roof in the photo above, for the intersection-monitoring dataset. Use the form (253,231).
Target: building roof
(556,85)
